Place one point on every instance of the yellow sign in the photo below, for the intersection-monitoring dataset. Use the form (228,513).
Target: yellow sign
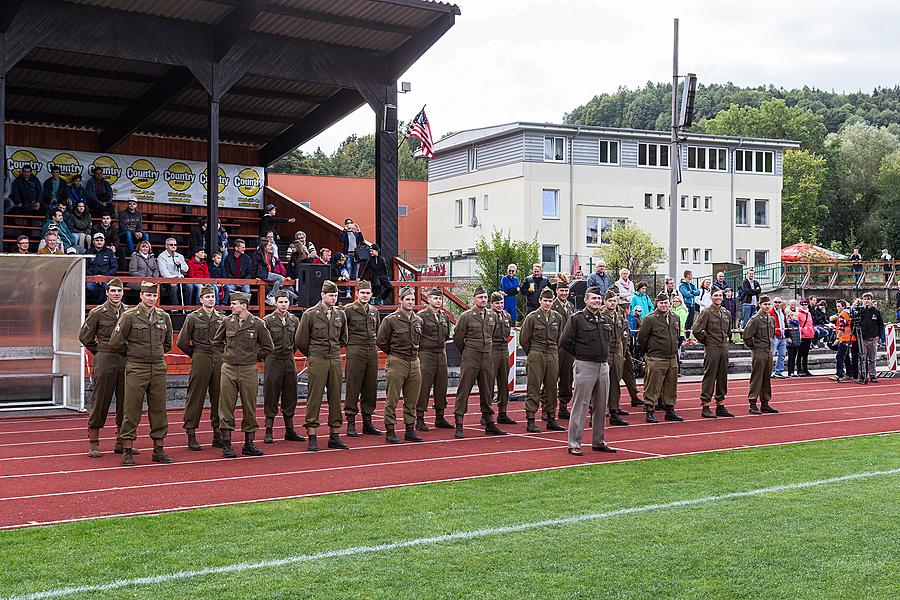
(109,167)
(223,180)
(179,176)
(249,182)
(142,173)
(68,165)
(20,158)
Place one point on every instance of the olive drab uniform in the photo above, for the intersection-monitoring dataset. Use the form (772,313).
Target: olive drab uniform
(713,329)
(362,359)
(398,337)
(473,334)
(539,339)
(500,358)
(566,360)
(144,336)
(758,334)
(433,360)
(619,337)
(196,340)
(108,369)
(658,339)
(245,343)
(320,336)
(280,381)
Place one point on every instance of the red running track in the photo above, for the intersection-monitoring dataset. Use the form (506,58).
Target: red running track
(46,478)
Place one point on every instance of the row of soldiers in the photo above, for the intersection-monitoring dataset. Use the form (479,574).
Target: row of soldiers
(571,357)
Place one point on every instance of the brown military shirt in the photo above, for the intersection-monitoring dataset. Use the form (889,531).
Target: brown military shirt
(362,324)
(500,341)
(759,331)
(321,335)
(99,325)
(618,330)
(198,331)
(399,335)
(283,332)
(713,327)
(142,336)
(565,309)
(541,331)
(245,341)
(658,335)
(435,330)
(475,330)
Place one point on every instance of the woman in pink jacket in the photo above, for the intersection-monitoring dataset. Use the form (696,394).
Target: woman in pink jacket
(807,333)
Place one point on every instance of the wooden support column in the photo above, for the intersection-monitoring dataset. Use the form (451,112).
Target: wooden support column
(212,176)
(3,173)
(386,176)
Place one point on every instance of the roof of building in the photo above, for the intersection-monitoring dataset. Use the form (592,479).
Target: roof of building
(482,134)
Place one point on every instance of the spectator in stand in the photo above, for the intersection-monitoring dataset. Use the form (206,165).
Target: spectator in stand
(352,239)
(856,260)
(887,263)
(109,231)
(266,267)
(312,257)
(101,261)
(704,300)
(871,328)
(641,299)
(270,237)
(749,296)
(238,266)
(76,191)
(297,253)
(730,304)
(509,285)
(197,239)
(807,333)
(599,278)
(197,269)
(689,293)
(223,241)
(379,274)
(626,287)
(79,222)
(780,339)
(845,340)
(50,243)
(217,271)
(131,225)
(100,194)
(340,272)
(27,194)
(23,245)
(720,283)
(55,188)
(143,264)
(532,288)
(817,309)
(303,248)
(172,265)
(324,257)
(66,237)
(268,221)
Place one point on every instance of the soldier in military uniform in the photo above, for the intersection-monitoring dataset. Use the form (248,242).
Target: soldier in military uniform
(398,337)
(108,367)
(433,361)
(658,339)
(500,357)
(246,340)
(539,339)
(473,334)
(713,329)
(362,361)
(280,378)
(565,309)
(322,332)
(144,335)
(618,338)
(758,334)
(195,340)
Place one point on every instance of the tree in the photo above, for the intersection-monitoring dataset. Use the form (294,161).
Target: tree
(888,185)
(631,248)
(802,214)
(500,249)
(773,119)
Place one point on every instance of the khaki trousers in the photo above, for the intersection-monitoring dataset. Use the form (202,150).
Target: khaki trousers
(566,376)
(542,369)
(324,373)
(362,380)
(433,366)
(760,378)
(500,372)
(145,379)
(206,376)
(243,380)
(660,382)
(591,390)
(715,375)
(109,379)
(280,384)
(476,367)
(616,365)
(402,376)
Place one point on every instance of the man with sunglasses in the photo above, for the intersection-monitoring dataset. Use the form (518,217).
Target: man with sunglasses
(779,342)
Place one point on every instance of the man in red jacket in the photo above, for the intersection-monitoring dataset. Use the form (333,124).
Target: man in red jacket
(197,269)
(779,342)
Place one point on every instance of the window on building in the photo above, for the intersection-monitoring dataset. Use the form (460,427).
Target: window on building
(661,201)
(485,199)
(760,257)
(599,228)
(707,203)
(695,202)
(648,200)
(549,257)
(472,216)
(761,213)
(653,155)
(711,159)
(742,256)
(696,255)
(685,254)
(754,161)
(459,212)
(742,211)
(609,152)
(306,204)
(684,203)
(402,210)
(473,159)
(550,204)
(555,149)
(707,255)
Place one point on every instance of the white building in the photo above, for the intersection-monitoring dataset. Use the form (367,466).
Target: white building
(570,185)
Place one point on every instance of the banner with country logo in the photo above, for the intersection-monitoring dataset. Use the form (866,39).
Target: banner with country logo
(159,180)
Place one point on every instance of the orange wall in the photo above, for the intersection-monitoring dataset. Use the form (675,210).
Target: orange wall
(337,198)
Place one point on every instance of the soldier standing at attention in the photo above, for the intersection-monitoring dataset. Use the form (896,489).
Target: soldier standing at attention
(362,361)
(196,340)
(500,356)
(280,380)
(658,339)
(322,332)
(433,361)
(144,335)
(758,334)
(473,334)
(566,361)
(713,329)
(108,367)
(398,337)
(586,337)
(540,339)
(618,337)
(246,341)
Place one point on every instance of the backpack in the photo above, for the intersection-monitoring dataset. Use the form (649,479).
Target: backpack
(740,293)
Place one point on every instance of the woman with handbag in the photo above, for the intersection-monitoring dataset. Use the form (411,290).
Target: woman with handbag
(807,333)
(792,333)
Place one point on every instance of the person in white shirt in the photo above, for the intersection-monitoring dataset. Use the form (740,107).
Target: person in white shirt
(172,265)
(704,300)
(626,286)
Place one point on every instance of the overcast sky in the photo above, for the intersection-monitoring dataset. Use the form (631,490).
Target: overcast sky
(533,60)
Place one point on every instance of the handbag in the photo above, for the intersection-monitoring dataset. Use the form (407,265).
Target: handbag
(363,252)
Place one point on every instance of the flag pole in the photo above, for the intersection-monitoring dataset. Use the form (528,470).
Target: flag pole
(406,135)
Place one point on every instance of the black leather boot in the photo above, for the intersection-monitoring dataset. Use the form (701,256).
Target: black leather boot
(249,448)
(411,435)
(459,427)
(390,436)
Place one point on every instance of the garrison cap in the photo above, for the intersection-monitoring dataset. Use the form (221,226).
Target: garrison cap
(207,289)
(547,293)
(115,282)
(610,294)
(479,290)
(149,288)
(363,285)
(282,294)
(435,291)
(592,290)
(496,297)
(328,287)
(764,299)
(241,297)
(562,285)
(662,296)
(406,291)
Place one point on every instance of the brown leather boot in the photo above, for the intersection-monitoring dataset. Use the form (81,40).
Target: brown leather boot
(269,438)
(127,454)
(192,442)
(94,439)
(159,455)
(368,428)
(290,434)
(217,438)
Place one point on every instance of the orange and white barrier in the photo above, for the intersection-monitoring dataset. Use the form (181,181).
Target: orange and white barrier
(891,338)
(511,345)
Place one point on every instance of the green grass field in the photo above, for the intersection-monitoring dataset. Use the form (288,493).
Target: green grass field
(839,540)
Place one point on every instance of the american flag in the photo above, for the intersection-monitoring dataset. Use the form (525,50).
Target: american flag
(420,129)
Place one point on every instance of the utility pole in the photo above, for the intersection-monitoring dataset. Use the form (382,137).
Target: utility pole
(673,167)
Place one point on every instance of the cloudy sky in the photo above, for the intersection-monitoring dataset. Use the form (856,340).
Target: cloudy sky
(533,60)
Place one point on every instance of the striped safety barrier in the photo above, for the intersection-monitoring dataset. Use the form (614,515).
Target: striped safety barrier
(891,337)
(511,345)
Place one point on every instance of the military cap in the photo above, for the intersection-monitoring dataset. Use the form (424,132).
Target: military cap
(240,297)
(207,289)
(562,285)
(547,293)
(479,289)
(149,288)
(662,296)
(496,297)
(610,294)
(281,294)
(592,290)
(435,291)
(328,287)
(406,291)
(363,285)
(764,299)
(115,282)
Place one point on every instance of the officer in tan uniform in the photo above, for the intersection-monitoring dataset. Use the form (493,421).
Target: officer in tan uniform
(108,367)
(246,340)
(472,336)
(500,357)
(758,334)
(144,335)
(713,329)
(398,337)
(362,361)
(195,340)
(658,339)
(539,339)
(618,337)
(433,360)
(280,379)
(322,332)
(565,309)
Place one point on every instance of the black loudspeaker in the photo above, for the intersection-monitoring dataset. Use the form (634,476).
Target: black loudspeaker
(389,118)
(309,283)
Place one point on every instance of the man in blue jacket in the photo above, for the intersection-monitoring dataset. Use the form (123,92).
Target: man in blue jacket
(689,291)
(101,261)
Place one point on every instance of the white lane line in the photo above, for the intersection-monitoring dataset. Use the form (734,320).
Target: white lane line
(446,538)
